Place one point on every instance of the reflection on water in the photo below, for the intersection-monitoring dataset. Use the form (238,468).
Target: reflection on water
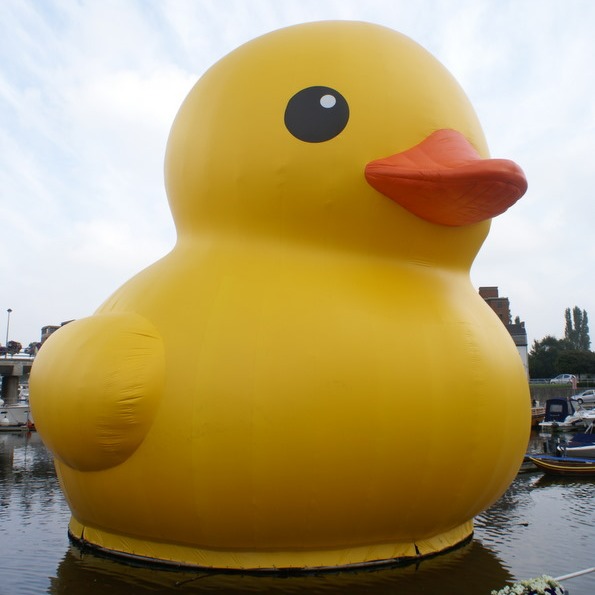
(543,525)
(471,569)
(540,525)
(33,515)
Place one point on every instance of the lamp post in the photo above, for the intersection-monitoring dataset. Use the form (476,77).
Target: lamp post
(7,327)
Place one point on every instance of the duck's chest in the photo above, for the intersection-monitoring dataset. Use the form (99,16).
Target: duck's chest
(337,311)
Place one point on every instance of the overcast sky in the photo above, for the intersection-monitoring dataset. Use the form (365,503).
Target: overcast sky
(89,89)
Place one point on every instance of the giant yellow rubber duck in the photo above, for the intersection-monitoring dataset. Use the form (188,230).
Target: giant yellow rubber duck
(309,379)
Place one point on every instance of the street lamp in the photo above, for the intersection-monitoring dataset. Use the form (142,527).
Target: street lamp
(7,327)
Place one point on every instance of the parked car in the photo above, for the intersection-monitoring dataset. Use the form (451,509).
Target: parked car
(563,379)
(587,396)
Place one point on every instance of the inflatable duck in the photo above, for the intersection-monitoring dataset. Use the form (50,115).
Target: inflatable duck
(309,379)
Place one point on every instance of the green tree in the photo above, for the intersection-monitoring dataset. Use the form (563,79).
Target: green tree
(576,362)
(544,356)
(576,330)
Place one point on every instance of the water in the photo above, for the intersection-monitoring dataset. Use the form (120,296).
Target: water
(539,526)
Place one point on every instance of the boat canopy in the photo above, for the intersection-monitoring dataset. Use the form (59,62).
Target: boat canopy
(558,410)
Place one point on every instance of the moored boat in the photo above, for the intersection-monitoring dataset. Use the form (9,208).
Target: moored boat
(580,445)
(560,414)
(565,466)
(537,415)
(15,417)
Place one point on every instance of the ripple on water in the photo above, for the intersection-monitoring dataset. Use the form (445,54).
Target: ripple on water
(33,515)
(544,525)
(538,526)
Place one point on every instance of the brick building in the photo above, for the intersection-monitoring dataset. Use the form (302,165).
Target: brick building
(501,306)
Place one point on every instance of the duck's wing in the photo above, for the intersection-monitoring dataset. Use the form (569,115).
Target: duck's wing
(94,388)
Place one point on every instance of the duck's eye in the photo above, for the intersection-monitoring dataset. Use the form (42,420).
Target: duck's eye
(316,114)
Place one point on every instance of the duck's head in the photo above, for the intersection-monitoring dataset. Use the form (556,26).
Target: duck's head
(344,134)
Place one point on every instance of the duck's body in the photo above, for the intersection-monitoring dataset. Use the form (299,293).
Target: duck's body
(306,379)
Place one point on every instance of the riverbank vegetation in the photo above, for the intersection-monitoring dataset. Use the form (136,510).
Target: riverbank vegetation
(551,356)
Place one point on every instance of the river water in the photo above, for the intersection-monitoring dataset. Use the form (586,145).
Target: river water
(540,526)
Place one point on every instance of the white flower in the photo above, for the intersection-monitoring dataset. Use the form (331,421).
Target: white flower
(542,585)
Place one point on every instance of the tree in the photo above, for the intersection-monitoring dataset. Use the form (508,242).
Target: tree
(572,354)
(544,356)
(33,348)
(576,331)
(576,362)
(13,347)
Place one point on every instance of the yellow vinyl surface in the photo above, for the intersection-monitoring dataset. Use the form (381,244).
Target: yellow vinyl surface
(308,378)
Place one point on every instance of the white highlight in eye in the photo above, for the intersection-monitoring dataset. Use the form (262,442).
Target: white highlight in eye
(328,101)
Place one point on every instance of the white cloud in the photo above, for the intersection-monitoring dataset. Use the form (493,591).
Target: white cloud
(88,91)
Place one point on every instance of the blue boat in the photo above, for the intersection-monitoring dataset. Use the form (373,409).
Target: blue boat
(565,466)
(580,445)
(560,414)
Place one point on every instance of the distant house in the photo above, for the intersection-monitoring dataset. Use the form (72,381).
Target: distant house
(501,306)
(46,331)
(49,329)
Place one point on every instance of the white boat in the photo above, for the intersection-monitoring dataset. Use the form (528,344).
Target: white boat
(580,445)
(15,417)
(560,414)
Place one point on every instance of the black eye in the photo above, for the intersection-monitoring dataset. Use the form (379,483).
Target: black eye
(316,114)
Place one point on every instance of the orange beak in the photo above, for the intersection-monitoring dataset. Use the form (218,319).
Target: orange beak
(444,180)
